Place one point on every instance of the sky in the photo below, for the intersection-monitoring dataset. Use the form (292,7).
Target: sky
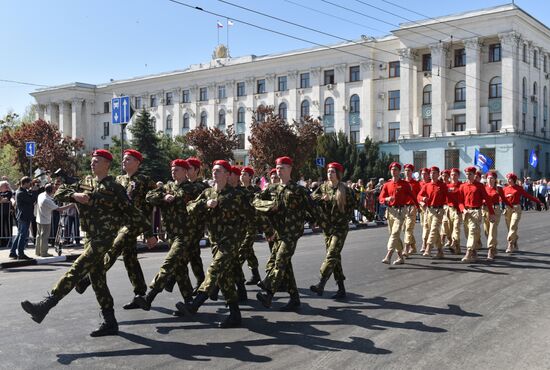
(63,41)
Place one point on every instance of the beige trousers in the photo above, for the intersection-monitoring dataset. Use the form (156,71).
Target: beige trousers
(41,242)
(491,227)
(435,217)
(396,220)
(512,217)
(472,225)
(410,222)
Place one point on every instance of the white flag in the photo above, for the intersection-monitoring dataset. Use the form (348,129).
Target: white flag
(229,23)
(219,24)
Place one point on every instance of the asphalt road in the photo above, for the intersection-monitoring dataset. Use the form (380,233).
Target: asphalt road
(426,314)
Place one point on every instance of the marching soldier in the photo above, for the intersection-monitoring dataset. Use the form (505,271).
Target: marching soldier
(137,185)
(246,250)
(433,197)
(453,213)
(411,211)
(337,202)
(104,206)
(395,194)
(424,179)
(496,195)
(445,227)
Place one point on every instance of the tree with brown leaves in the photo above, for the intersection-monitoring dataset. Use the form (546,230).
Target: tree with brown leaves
(212,143)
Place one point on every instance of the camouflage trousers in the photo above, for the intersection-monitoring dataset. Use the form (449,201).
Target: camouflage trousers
(246,249)
(175,264)
(279,269)
(221,271)
(195,260)
(333,260)
(125,244)
(91,262)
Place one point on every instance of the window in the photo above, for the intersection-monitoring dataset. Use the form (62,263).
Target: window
(221,92)
(426,127)
(452,158)
(283,111)
(525,57)
(535,58)
(185,123)
(169,98)
(240,141)
(427,95)
(153,101)
(304,109)
(106,106)
(459,122)
(426,62)
(489,153)
(105,129)
(495,120)
(354,136)
(221,119)
(354,104)
(260,86)
(420,159)
(460,57)
(106,146)
(329,76)
(304,80)
(329,107)
(137,102)
(535,88)
(460,91)
(524,88)
(394,69)
(241,115)
(168,129)
(154,122)
(282,83)
(545,64)
(185,96)
(494,54)
(241,91)
(260,113)
(495,88)
(393,100)
(523,121)
(203,94)
(204,119)
(393,131)
(354,73)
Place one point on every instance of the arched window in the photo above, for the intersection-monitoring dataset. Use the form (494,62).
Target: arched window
(260,115)
(154,122)
(535,88)
(221,119)
(240,115)
(283,111)
(524,88)
(354,103)
(460,91)
(495,87)
(168,129)
(329,107)
(427,95)
(204,119)
(304,109)
(545,96)
(185,124)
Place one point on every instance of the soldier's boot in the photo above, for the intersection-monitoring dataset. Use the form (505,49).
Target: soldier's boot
(200,280)
(387,259)
(510,247)
(255,278)
(189,309)
(264,284)
(169,286)
(440,253)
(400,260)
(186,300)
(39,310)
(265,298)
(144,302)
(133,304)
(109,326)
(293,304)
(515,246)
(427,250)
(406,250)
(234,318)
(319,288)
(83,284)
(423,248)
(341,293)
(491,254)
(457,249)
(214,293)
(469,257)
(241,291)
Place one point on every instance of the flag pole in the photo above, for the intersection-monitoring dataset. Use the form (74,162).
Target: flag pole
(218,28)
(227,25)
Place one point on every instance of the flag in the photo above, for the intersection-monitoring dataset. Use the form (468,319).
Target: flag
(230,23)
(219,24)
(533,159)
(484,163)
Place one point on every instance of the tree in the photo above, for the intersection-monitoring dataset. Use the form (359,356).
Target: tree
(53,151)
(212,143)
(7,167)
(272,137)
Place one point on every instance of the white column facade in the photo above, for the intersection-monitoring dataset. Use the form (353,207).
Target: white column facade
(408,111)
(511,104)
(76,118)
(473,86)
(439,87)
(65,113)
(367,114)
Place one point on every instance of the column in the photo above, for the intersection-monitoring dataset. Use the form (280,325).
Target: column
(293,86)
(408,111)
(439,87)
(76,118)
(511,106)
(473,86)
(90,130)
(40,111)
(65,118)
(368,123)
(316,82)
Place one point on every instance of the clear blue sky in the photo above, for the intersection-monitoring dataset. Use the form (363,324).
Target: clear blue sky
(61,41)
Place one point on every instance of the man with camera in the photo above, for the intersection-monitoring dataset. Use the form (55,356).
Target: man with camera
(25,197)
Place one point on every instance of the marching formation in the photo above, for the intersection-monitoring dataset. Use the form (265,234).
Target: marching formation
(115,212)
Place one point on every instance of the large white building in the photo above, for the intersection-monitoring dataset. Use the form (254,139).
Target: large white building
(432,92)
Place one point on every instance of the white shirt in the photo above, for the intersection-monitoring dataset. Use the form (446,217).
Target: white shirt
(45,205)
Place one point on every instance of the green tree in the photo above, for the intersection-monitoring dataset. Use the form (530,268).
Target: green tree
(7,167)
(212,144)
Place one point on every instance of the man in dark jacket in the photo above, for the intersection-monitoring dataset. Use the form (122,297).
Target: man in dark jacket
(24,200)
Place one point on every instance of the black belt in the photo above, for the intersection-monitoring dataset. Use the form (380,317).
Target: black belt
(396,206)
(472,207)
(438,207)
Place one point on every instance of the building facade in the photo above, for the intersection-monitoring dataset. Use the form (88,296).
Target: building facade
(433,92)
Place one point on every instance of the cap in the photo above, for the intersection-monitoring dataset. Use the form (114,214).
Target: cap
(224,164)
(134,153)
(180,163)
(249,170)
(103,153)
(283,160)
(337,166)
(470,169)
(395,164)
(409,166)
(195,162)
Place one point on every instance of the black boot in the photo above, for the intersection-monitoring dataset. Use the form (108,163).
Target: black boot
(186,300)
(214,293)
(169,286)
(241,291)
(293,304)
(82,285)
(145,302)
(341,293)
(265,298)
(234,318)
(39,310)
(319,288)
(255,278)
(109,326)
(189,309)
(133,304)
(199,282)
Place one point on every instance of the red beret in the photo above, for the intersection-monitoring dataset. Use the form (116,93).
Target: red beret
(180,163)
(446,172)
(454,169)
(272,171)
(337,166)
(434,168)
(424,170)
(491,174)
(478,173)
(103,153)
(236,170)
(470,169)
(512,176)
(395,164)
(409,166)
(283,160)
(224,164)
(134,153)
(195,162)
(248,170)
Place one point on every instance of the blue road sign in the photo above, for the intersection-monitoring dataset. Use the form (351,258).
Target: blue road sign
(30,148)
(120,110)
(320,161)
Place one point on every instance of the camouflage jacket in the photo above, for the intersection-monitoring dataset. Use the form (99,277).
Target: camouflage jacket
(334,219)
(137,187)
(199,219)
(174,214)
(108,209)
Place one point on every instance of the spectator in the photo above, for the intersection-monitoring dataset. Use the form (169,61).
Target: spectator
(6,213)
(542,192)
(528,187)
(24,203)
(380,209)
(44,207)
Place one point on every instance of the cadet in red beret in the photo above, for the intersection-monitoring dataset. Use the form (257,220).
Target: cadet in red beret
(338,167)
(424,179)
(433,196)
(234,177)
(180,163)
(134,153)
(453,213)
(103,153)
(273,177)
(283,160)
(411,211)
(496,194)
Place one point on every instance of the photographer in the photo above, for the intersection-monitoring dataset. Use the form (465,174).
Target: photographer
(24,199)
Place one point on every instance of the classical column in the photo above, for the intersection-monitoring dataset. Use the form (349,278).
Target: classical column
(408,109)
(439,85)
(367,95)
(76,119)
(40,111)
(89,132)
(293,87)
(473,86)
(65,118)
(511,105)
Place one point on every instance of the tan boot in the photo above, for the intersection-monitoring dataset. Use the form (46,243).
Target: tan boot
(510,248)
(491,254)
(439,254)
(423,249)
(427,251)
(406,250)
(468,258)
(413,249)
(387,259)
(400,260)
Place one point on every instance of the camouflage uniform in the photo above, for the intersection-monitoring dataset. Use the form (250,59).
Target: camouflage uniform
(246,250)
(108,209)
(196,234)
